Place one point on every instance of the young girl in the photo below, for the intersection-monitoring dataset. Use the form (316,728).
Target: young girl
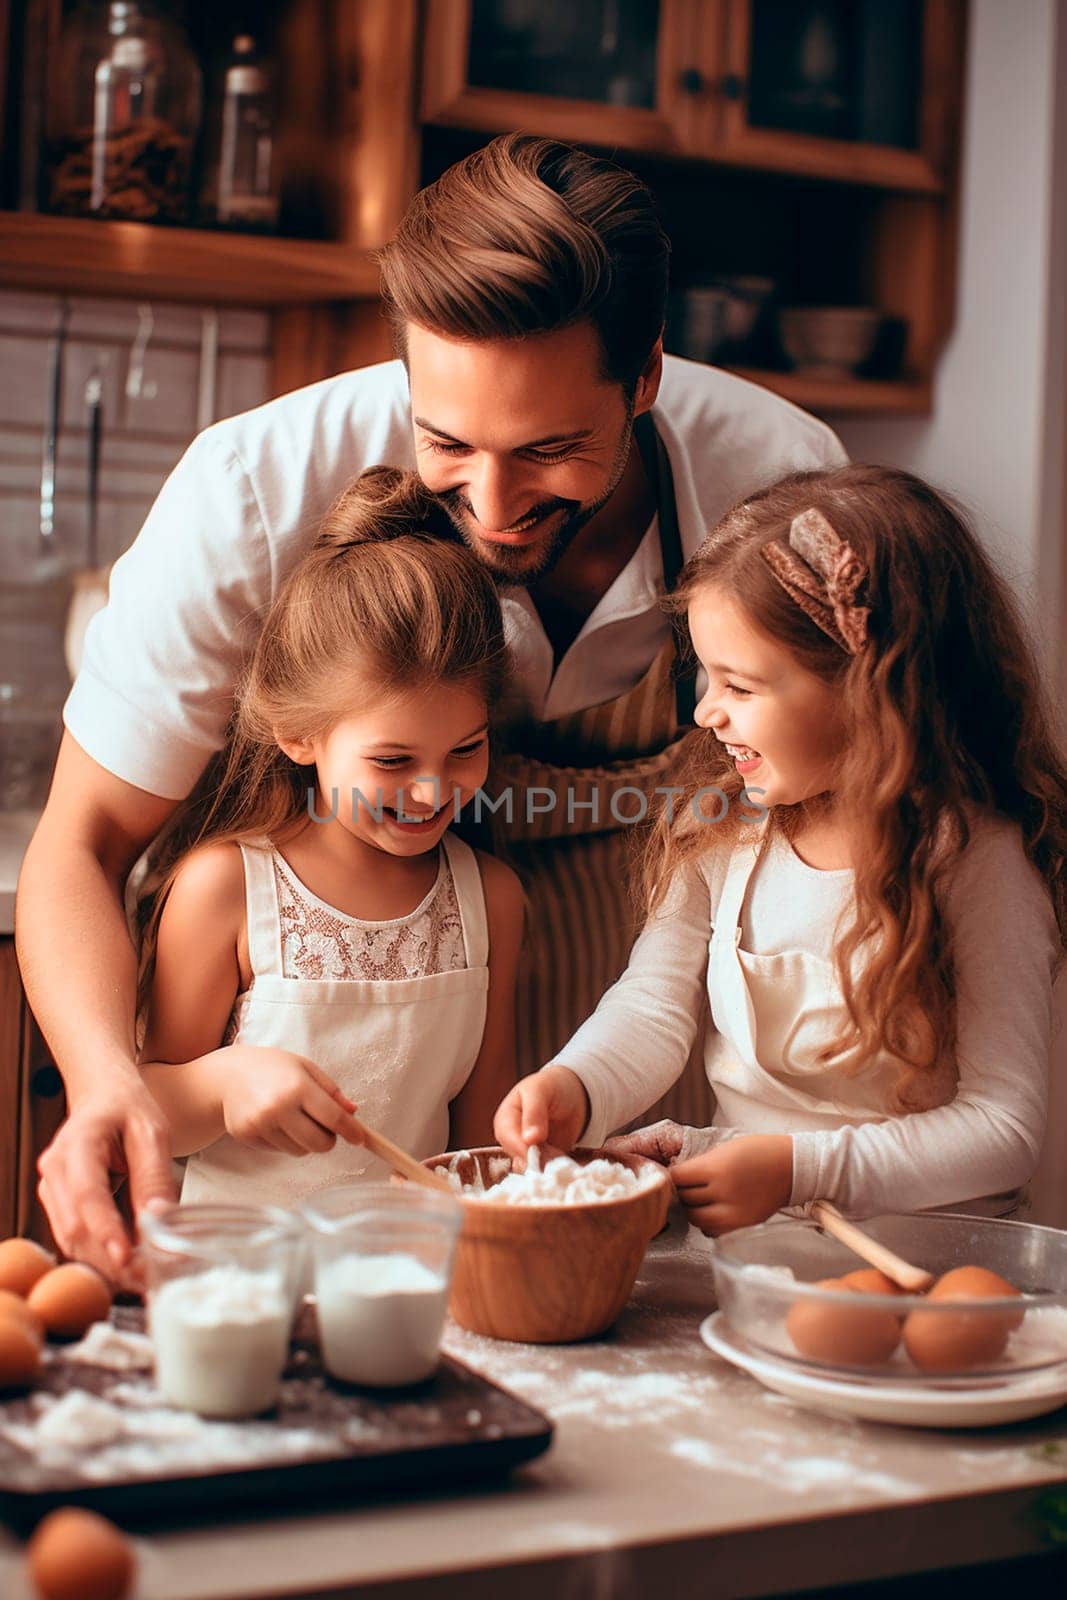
(328,941)
(885,891)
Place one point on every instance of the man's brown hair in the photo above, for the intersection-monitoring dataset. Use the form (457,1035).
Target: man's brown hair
(528,236)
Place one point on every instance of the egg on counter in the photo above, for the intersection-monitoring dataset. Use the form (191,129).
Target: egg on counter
(76,1555)
(13,1305)
(20,1353)
(944,1341)
(22,1263)
(69,1299)
(845,1335)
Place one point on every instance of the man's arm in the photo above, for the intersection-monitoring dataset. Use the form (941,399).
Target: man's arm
(80,974)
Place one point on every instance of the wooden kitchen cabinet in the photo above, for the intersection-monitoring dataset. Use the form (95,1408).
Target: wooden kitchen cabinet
(865,92)
(608,73)
(858,90)
(759,173)
(31,1093)
(809,144)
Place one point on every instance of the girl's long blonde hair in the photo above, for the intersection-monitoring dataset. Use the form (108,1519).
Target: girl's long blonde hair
(386,601)
(943,712)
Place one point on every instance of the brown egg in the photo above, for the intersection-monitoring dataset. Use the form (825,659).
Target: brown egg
(941,1341)
(69,1299)
(13,1305)
(870,1281)
(76,1555)
(20,1353)
(850,1336)
(21,1264)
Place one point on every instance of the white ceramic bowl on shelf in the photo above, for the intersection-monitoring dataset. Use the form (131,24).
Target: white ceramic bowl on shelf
(829,341)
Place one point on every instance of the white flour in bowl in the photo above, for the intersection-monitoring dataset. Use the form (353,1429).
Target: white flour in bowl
(220,1339)
(380,1318)
(562,1181)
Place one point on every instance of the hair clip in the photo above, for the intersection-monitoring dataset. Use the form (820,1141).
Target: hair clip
(822,573)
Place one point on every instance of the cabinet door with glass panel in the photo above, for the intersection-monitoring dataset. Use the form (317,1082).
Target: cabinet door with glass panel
(603,72)
(861,90)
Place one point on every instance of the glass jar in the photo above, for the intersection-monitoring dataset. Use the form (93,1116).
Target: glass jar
(123,115)
(222,1284)
(241,185)
(382,1260)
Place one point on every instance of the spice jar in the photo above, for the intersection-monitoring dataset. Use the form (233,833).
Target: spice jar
(241,188)
(123,115)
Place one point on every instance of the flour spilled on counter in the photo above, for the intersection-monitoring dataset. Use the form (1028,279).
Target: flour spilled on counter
(799,1475)
(632,1386)
(103,1441)
(563,1182)
(104,1345)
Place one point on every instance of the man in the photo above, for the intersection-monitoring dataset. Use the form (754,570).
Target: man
(527,289)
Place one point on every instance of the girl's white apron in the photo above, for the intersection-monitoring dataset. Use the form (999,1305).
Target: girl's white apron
(401,1049)
(773,1016)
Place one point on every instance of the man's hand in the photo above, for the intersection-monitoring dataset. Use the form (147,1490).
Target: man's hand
(123,1131)
(550,1107)
(275,1100)
(739,1183)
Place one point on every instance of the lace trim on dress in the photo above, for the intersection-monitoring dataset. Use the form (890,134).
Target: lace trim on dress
(321,942)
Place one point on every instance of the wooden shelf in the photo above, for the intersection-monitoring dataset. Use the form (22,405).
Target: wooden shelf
(83,256)
(838,397)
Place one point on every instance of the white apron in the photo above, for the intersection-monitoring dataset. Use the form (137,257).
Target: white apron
(400,1048)
(767,1074)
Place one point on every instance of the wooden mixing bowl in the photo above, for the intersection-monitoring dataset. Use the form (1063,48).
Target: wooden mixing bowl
(548,1274)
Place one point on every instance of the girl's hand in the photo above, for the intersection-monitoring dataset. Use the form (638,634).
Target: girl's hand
(549,1107)
(739,1183)
(274,1100)
(660,1141)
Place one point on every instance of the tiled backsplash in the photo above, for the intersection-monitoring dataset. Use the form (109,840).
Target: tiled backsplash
(153,405)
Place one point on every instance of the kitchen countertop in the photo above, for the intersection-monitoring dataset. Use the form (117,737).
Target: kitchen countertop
(669,1468)
(15,830)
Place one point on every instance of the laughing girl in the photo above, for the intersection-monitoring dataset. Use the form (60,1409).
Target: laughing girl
(329,941)
(878,951)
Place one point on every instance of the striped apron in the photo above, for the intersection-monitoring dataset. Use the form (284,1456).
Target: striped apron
(579,787)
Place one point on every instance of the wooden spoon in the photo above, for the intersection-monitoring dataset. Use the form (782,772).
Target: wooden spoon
(903,1273)
(399,1159)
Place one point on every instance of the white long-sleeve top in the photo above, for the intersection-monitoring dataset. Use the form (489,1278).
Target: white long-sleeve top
(846,1145)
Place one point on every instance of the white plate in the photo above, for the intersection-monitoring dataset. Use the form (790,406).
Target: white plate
(1011,1401)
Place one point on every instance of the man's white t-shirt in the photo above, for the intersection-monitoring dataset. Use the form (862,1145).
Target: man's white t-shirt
(154,694)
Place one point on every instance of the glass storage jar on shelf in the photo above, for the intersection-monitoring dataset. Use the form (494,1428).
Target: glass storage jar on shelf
(240,188)
(123,114)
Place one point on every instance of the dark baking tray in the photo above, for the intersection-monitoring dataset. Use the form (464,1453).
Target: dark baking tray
(456,1427)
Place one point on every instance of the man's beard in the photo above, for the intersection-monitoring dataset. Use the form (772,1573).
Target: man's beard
(526,564)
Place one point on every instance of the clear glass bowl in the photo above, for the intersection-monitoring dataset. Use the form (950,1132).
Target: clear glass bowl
(383,1256)
(766,1282)
(222,1283)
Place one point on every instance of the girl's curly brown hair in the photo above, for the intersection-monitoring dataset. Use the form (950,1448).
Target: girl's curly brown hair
(943,713)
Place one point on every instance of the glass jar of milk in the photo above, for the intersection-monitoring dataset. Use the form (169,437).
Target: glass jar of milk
(222,1287)
(382,1261)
